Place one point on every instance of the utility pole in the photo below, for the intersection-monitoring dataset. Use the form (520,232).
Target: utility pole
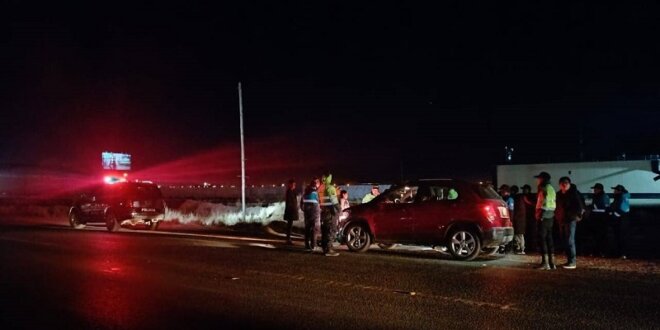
(240,109)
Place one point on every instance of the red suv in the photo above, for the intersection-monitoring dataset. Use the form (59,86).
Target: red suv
(467,218)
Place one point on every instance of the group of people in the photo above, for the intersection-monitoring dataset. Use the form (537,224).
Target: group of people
(567,208)
(323,204)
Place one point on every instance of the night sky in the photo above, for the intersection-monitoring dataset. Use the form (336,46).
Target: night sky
(372,92)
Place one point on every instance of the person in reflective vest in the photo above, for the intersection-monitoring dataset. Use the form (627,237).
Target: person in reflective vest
(545,214)
(330,211)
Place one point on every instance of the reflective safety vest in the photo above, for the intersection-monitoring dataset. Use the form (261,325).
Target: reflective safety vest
(328,192)
(547,198)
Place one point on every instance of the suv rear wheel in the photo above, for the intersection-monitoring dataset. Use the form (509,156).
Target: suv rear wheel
(464,244)
(74,221)
(111,222)
(357,238)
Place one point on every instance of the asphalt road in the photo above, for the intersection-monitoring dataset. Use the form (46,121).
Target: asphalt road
(56,277)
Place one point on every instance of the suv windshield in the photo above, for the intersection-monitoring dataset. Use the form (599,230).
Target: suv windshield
(486,192)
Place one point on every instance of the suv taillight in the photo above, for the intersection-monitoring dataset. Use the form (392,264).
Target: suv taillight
(489,212)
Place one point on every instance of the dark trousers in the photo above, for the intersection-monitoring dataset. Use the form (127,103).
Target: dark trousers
(289,228)
(597,229)
(312,213)
(547,243)
(328,215)
(620,226)
(569,240)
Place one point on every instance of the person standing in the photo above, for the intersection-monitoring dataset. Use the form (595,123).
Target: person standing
(505,192)
(290,209)
(598,218)
(520,210)
(545,214)
(344,204)
(329,211)
(375,191)
(531,230)
(570,209)
(312,213)
(619,218)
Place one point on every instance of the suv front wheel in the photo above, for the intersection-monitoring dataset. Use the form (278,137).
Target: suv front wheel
(74,220)
(357,238)
(464,244)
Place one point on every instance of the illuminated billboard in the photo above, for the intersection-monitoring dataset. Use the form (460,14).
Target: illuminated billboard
(116,161)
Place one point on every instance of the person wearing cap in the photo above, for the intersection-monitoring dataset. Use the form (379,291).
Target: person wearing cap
(375,191)
(545,214)
(505,192)
(619,211)
(570,209)
(598,218)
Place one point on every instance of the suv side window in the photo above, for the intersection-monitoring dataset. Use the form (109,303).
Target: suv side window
(403,194)
(438,193)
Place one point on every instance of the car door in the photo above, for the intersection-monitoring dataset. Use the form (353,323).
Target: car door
(393,220)
(86,204)
(437,207)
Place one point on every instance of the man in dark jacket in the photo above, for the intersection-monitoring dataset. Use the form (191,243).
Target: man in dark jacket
(570,209)
(522,204)
(531,229)
(290,209)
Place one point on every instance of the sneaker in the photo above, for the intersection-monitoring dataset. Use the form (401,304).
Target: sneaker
(569,266)
(520,252)
(331,254)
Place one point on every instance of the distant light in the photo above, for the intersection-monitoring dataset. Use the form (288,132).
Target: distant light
(108,179)
(348,185)
(283,185)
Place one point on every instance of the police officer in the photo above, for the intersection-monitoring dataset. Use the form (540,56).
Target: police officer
(619,218)
(545,214)
(312,213)
(597,222)
(330,210)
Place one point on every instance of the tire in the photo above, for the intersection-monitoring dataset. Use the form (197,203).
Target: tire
(358,238)
(74,221)
(154,225)
(386,246)
(464,244)
(111,222)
